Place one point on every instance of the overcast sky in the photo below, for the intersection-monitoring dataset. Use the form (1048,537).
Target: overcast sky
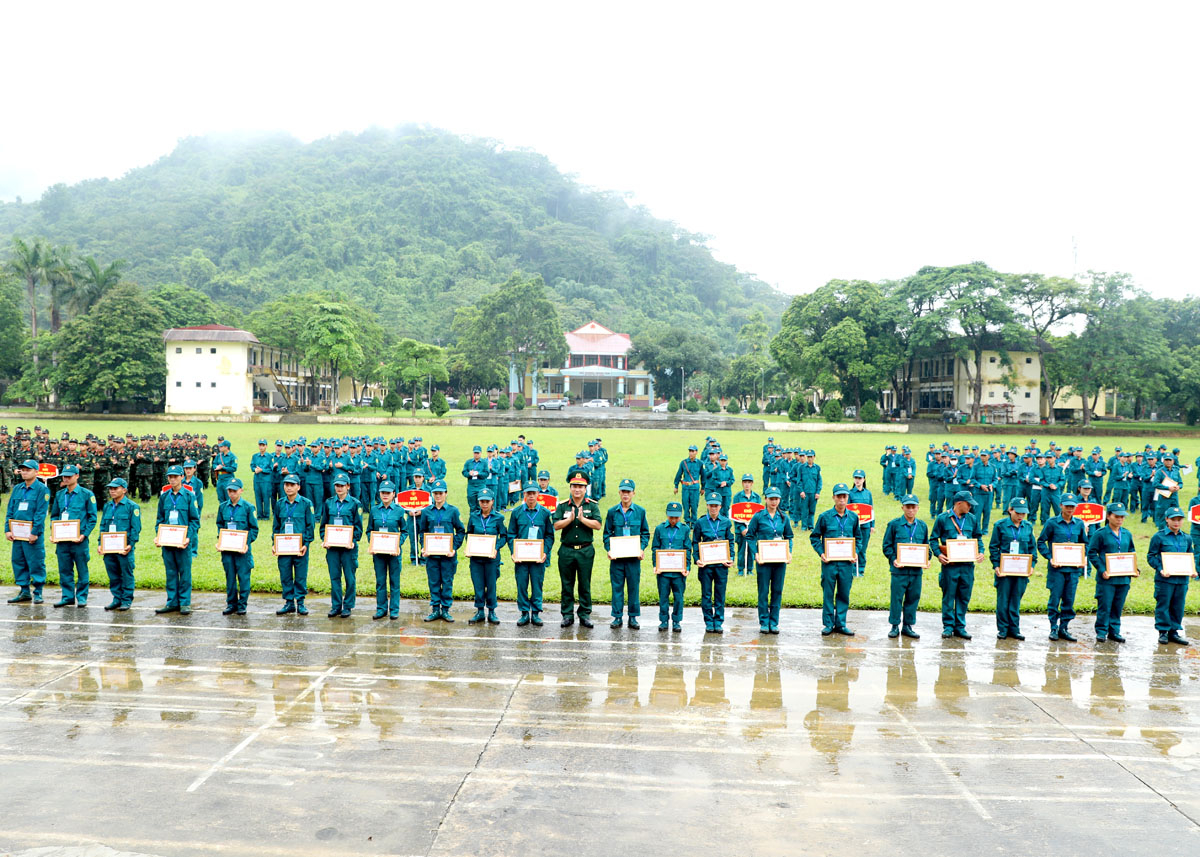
(809,141)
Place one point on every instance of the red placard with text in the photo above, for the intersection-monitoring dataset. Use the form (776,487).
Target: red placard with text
(547,501)
(1090,513)
(865,512)
(742,512)
(412,499)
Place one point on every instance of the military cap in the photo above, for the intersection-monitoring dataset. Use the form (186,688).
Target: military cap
(723,457)
(234,484)
(189,463)
(693,448)
(770,492)
(1084,483)
(626,485)
(224,443)
(1069,500)
(1115,509)
(340,480)
(292,478)
(1018,504)
(435,446)
(437,486)
(714,498)
(909,500)
(543,474)
(69,470)
(387,485)
(279,443)
(485,494)
(262,441)
(841,488)
(117,483)
(963,497)
(529,486)
(174,470)
(859,473)
(577,476)
(1173,512)
(747,477)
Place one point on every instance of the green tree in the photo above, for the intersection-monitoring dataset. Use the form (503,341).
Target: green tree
(92,281)
(671,354)
(438,406)
(869,412)
(392,402)
(331,336)
(113,352)
(518,402)
(182,306)
(521,323)
(13,336)
(30,261)
(1042,304)
(502,402)
(833,411)
(795,409)
(673,406)
(413,362)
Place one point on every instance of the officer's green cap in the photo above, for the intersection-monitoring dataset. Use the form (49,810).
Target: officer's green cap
(859,474)
(341,480)
(714,498)
(530,487)
(964,497)
(174,470)
(626,485)
(771,492)
(485,494)
(234,484)
(1115,509)
(292,478)
(674,509)
(387,485)
(1018,504)
(118,483)
(909,500)
(1174,512)
(841,488)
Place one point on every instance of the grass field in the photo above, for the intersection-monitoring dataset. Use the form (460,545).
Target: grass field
(649,457)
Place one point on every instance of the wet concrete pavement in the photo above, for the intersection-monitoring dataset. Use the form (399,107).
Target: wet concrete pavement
(267,735)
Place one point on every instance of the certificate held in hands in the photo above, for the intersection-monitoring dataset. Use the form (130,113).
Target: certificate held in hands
(910,555)
(1120,564)
(666,560)
(1068,554)
(840,550)
(961,550)
(481,546)
(714,553)
(1015,565)
(625,547)
(1178,565)
(232,541)
(384,543)
(170,536)
(21,531)
(64,531)
(439,544)
(772,550)
(339,537)
(527,550)
(288,544)
(113,542)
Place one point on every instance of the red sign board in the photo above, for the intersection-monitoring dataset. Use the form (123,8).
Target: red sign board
(865,512)
(46,470)
(184,487)
(1194,515)
(1090,513)
(744,511)
(412,499)
(549,501)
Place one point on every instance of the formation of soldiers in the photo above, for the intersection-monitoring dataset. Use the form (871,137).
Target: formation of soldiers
(342,490)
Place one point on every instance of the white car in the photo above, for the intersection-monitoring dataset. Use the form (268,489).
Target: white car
(551,404)
(596,403)
(660,408)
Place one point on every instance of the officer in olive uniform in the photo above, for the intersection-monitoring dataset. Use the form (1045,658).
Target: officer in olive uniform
(235,513)
(121,515)
(906,579)
(576,519)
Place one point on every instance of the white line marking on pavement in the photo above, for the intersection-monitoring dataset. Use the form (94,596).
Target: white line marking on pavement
(941,763)
(253,736)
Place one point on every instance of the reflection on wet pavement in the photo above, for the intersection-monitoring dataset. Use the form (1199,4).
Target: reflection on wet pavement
(263,735)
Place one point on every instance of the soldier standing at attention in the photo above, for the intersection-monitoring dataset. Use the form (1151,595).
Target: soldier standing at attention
(1170,592)
(770,524)
(293,514)
(73,502)
(234,513)
(745,547)
(387,517)
(625,574)
(30,501)
(530,521)
(956,579)
(689,475)
(906,580)
(714,577)
(225,467)
(121,515)
(1061,580)
(278,462)
(262,466)
(672,535)
(1013,535)
(342,510)
(577,519)
(837,576)
(859,493)
(476,472)
(1111,592)
(177,508)
(485,572)
(191,482)
(439,517)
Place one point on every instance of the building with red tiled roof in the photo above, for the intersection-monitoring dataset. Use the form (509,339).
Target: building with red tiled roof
(597,367)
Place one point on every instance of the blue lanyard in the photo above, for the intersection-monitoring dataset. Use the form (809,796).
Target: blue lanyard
(337,507)
(841,519)
(436,519)
(713,522)
(671,537)
(484,520)
(625,515)
(912,530)
(174,499)
(530,518)
(774,526)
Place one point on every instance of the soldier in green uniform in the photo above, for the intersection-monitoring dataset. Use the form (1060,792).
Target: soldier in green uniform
(1012,535)
(956,579)
(745,547)
(1063,580)
(577,520)
(485,571)
(6,461)
(262,465)
(234,513)
(672,536)
(1170,591)
(342,510)
(906,579)
(225,465)
(293,514)
(625,574)
(440,517)
(121,515)
(689,474)
(770,524)
(1111,591)
(387,517)
(177,508)
(714,577)
(73,502)
(600,457)
(30,501)
(531,521)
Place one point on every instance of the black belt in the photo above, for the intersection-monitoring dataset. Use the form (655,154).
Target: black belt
(580,547)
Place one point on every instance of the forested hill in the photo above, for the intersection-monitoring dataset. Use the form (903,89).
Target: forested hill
(414,222)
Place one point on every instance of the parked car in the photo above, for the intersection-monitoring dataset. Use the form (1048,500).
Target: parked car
(452,401)
(660,408)
(551,404)
(408,403)
(596,403)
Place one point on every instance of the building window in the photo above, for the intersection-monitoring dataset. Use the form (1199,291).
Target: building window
(641,388)
(213,384)
(178,383)
(991,394)
(199,350)
(178,350)
(1026,395)
(576,361)
(590,359)
(606,361)
(1028,359)
(991,360)
(212,351)
(197,383)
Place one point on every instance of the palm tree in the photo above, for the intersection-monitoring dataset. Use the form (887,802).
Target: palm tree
(60,276)
(91,282)
(29,262)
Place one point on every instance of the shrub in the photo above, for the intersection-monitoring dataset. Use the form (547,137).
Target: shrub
(732,407)
(375,403)
(832,411)
(796,410)
(392,402)
(869,412)
(519,403)
(502,402)
(438,404)
(713,406)
(754,408)
(673,406)
(483,403)
(784,405)
(809,407)
(691,405)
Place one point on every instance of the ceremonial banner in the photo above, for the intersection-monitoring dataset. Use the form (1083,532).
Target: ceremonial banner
(412,499)
(547,501)
(1194,514)
(1090,513)
(46,470)
(865,512)
(742,512)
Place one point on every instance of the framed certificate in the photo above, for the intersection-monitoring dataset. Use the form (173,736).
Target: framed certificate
(670,561)
(961,550)
(1068,554)
(714,553)
(232,541)
(527,550)
(339,537)
(439,544)
(625,547)
(22,531)
(481,546)
(1015,565)
(64,531)
(514,487)
(840,550)
(288,544)
(384,543)
(113,542)
(1120,564)
(912,555)
(1169,483)
(170,536)
(1178,564)
(772,550)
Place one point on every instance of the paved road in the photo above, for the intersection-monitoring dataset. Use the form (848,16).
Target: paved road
(268,736)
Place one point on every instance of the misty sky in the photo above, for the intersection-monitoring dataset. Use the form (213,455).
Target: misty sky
(809,141)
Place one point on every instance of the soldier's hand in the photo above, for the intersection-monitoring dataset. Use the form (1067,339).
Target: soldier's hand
(126,551)
(676,489)
(33,538)
(8,536)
